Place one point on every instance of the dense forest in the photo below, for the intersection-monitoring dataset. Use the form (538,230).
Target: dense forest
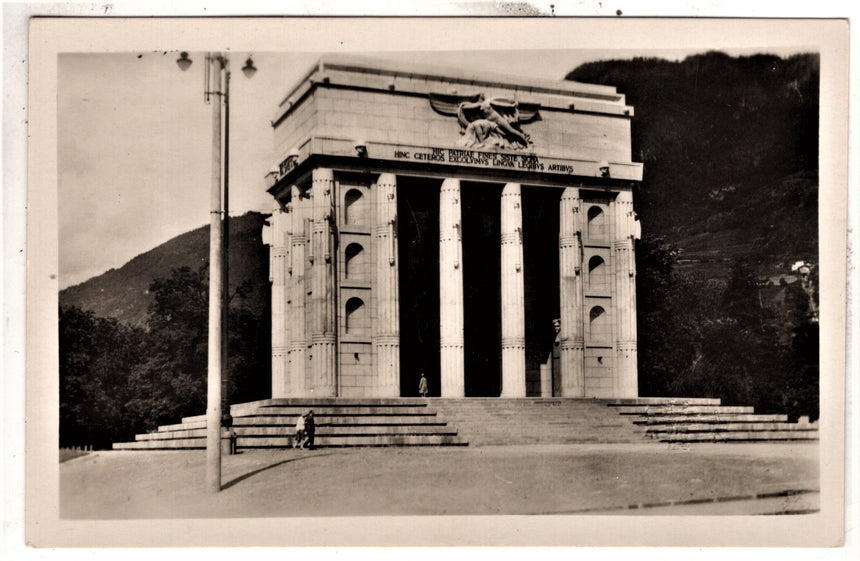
(728,204)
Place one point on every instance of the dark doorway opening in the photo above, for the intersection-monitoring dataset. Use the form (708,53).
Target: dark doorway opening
(540,259)
(481,208)
(418,252)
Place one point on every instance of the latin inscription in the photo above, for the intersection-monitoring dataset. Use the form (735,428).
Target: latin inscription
(523,162)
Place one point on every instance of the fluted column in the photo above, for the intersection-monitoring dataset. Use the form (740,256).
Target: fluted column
(451,291)
(277,257)
(386,337)
(571,340)
(323,334)
(297,280)
(513,294)
(626,375)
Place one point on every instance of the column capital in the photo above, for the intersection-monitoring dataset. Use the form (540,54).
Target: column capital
(386,179)
(322,174)
(624,197)
(570,194)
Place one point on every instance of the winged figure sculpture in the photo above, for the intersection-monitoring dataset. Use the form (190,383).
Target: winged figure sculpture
(487,123)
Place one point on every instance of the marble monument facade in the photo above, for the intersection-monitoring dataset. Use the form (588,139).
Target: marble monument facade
(442,221)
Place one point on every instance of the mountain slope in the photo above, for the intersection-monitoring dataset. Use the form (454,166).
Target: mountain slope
(124,293)
(730,147)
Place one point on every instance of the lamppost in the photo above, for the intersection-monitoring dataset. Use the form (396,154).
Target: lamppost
(217,83)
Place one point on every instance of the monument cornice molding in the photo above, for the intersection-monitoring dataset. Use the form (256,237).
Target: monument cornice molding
(526,167)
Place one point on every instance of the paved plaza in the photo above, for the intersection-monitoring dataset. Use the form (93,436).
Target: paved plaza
(647,478)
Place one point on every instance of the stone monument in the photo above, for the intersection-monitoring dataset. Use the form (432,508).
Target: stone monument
(437,220)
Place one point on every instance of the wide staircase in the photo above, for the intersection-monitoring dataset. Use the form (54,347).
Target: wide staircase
(340,422)
(343,422)
(705,420)
(498,421)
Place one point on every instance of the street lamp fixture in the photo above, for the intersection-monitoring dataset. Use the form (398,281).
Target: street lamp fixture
(217,84)
(183,62)
(249,69)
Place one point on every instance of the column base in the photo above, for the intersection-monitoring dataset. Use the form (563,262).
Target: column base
(572,363)
(324,365)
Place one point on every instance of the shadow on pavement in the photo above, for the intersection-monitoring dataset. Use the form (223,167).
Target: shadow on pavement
(250,474)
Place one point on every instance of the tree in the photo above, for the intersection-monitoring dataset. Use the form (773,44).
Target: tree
(96,356)
(672,312)
(171,381)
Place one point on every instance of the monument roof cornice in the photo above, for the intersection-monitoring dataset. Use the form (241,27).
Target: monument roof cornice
(423,79)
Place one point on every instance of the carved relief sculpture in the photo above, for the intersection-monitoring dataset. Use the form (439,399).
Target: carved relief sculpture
(487,123)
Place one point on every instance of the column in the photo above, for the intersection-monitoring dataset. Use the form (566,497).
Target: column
(451,291)
(297,280)
(323,333)
(571,340)
(279,251)
(386,337)
(626,372)
(513,294)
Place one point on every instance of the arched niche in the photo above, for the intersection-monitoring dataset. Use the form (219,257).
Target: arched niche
(597,272)
(357,320)
(597,223)
(357,265)
(598,324)
(355,206)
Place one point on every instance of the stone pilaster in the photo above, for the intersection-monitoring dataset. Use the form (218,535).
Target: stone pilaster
(452,353)
(323,330)
(571,340)
(513,294)
(278,255)
(626,373)
(386,337)
(297,280)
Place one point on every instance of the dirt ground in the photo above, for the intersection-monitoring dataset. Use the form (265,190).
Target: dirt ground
(558,479)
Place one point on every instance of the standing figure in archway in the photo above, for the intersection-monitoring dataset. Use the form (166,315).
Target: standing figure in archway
(422,386)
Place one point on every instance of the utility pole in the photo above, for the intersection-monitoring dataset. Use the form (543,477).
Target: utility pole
(216,79)
(215,67)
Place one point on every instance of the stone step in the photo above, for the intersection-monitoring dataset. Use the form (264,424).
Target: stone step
(329,420)
(665,401)
(184,426)
(320,441)
(704,418)
(281,430)
(729,427)
(679,409)
(176,444)
(736,436)
(313,402)
(332,441)
(331,410)
(173,434)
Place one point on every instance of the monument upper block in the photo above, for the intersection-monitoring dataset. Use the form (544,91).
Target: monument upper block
(365,102)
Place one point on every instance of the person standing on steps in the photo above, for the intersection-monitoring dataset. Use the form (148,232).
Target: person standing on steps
(422,386)
(310,428)
(300,432)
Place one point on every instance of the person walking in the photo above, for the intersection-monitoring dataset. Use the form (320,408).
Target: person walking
(310,429)
(300,432)
(422,386)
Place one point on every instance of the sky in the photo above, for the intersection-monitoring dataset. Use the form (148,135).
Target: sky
(134,140)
